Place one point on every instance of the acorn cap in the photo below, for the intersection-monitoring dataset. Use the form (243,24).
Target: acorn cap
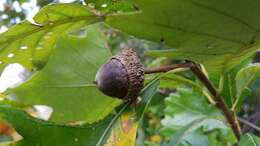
(135,72)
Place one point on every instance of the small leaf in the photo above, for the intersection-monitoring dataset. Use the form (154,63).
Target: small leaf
(228,87)
(243,80)
(245,76)
(146,95)
(172,80)
(249,140)
(30,44)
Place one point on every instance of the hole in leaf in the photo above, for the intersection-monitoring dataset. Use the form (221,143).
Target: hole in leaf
(13,75)
(76,139)
(210,46)
(41,43)
(49,33)
(11,55)
(104,5)
(39,48)
(4,16)
(3,29)
(79,33)
(40,111)
(24,47)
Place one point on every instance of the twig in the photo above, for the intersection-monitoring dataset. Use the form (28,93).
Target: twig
(166,68)
(252,119)
(219,101)
(249,124)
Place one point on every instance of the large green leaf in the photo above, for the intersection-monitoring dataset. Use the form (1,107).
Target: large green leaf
(249,140)
(218,34)
(43,133)
(65,83)
(30,44)
(117,129)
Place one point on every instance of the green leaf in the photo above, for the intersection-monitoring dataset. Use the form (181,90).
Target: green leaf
(158,62)
(181,134)
(172,80)
(65,135)
(218,34)
(228,88)
(243,80)
(185,112)
(43,133)
(65,83)
(116,129)
(197,138)
(186,106)
(222,138)
(30,44)
(146,95)
(249,140)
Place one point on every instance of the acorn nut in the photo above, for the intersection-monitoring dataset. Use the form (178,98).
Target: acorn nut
(122,76)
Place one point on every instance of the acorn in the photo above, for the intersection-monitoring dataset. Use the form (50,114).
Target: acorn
(122,76)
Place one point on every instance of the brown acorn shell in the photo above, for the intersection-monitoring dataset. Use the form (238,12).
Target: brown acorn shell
(135,71)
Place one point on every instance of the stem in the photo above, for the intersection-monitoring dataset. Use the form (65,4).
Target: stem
(252,125)
(217,97)
(167,68)
(252,119)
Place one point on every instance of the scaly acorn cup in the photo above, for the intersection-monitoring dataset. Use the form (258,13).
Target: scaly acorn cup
(122,76)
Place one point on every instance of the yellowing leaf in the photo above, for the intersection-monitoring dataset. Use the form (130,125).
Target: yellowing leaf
(124,131)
